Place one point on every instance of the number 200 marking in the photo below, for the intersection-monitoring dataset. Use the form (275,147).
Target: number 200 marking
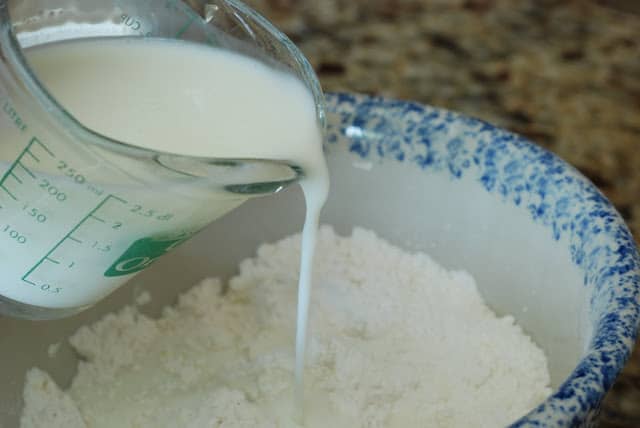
(52,190)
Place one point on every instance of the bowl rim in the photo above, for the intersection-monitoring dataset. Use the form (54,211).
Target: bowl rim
(576,401)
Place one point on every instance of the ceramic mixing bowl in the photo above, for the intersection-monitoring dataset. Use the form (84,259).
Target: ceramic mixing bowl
(542,242)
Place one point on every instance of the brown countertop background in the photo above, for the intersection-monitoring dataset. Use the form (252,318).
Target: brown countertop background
(564,73)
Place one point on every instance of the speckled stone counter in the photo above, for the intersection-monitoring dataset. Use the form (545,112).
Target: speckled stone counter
(564,73)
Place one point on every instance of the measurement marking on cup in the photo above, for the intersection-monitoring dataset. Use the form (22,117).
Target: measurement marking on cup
(178,7)
(8,192)
(27,170)
(185,27)
(15,177)
(30,153)
(34,140)
(11,172)
(69,236)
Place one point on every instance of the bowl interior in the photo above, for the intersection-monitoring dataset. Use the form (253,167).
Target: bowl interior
(433,197)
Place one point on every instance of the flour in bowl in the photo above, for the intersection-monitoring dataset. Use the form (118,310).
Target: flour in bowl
(396,341)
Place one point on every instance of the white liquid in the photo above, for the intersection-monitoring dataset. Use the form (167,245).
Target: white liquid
(199,101)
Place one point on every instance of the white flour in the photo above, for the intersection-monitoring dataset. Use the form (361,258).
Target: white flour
(396,341)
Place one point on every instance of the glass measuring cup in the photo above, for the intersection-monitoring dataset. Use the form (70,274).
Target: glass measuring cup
(80,213)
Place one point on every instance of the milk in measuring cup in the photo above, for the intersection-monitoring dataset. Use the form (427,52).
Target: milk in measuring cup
(69,233)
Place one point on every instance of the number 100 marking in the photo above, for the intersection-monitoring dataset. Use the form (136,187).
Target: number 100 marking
(14,234)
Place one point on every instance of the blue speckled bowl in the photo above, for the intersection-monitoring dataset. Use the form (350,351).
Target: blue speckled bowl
(542,241)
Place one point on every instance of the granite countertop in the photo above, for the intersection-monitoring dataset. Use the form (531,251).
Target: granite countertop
(565,73)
